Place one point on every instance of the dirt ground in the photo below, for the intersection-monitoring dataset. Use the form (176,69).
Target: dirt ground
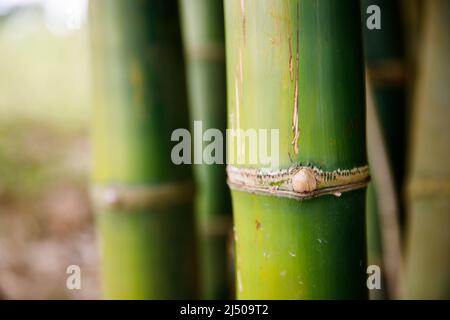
(46,223)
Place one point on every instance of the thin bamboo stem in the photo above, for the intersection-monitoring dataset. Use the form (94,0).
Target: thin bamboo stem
(203,35)
(387,198)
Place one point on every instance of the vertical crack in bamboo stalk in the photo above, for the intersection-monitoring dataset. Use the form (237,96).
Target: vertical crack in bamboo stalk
(241,69)
(291,71)
(295,128)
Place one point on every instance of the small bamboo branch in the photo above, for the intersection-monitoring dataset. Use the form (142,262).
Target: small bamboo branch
(385,188)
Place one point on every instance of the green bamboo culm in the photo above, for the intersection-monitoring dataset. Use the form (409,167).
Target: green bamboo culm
(297,66)
(427,263)
(143,201)
(203,35)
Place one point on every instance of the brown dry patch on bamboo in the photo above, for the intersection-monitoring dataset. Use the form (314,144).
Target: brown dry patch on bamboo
(137,84)
(289,26)
(279,21)
(291,71)
(258,225)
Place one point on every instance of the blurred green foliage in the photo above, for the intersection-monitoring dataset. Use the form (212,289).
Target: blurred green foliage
(44,103)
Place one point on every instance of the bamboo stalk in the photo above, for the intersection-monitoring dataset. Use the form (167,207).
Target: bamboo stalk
(297,66)
(384,53)
(143,201)
(427,261)
(203,35)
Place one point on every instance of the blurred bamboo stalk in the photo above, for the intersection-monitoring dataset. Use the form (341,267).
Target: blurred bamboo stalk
(386,129)
(143,201)
(427,261)
(297,66)
(203,35)
(385,59)
(412,13)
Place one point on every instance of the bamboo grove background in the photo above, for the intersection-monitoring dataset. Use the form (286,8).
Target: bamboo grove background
(140,227)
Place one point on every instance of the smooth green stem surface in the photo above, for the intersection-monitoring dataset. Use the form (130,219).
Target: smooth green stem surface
(203,35)
(427,264)
(288,58)
(139,99)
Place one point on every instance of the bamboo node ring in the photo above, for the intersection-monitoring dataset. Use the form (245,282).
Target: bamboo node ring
(298,181)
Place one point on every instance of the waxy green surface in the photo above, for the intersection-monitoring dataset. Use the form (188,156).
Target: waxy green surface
(203,36)
(139,99)
(288,249)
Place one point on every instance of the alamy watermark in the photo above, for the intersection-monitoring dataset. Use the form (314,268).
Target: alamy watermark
(373,21)
(73,281)
(374,279)
(251,146)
